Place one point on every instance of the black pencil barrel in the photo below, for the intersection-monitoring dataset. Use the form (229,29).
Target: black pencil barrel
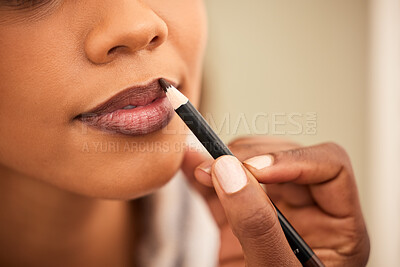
(300,248)
(200,128)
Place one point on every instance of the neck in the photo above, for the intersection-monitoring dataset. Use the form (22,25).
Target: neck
(41,225)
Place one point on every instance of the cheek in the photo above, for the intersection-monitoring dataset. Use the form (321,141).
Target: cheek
(32,106)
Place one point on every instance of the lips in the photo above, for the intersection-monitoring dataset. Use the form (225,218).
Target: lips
(136,110)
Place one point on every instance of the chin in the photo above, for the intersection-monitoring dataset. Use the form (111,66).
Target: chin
(128,187)
(132,179)
(124,179)
(120,171)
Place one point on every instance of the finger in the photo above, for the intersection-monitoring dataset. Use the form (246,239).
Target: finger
(265,140)
(243,150)
(322,231)
(203,173)
(325,168)
(290,194)
(251,215)
(189,166)
(191,160)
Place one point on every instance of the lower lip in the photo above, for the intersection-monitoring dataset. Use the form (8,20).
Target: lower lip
(137,121)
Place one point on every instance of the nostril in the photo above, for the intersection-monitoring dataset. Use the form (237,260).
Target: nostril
(122,47)
(154,40)
(114,49)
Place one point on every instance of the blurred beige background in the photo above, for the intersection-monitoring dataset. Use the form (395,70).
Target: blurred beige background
(301,70)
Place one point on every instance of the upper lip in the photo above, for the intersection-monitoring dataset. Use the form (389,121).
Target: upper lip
(138,95)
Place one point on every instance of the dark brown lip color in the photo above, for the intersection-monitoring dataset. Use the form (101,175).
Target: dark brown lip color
(140,95)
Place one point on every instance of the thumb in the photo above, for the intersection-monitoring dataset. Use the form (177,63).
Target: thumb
(191,160)
(251,215)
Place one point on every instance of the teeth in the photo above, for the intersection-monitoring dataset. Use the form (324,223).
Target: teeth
(129,107)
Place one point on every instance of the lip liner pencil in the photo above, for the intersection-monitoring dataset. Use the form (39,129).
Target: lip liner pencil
(214,145)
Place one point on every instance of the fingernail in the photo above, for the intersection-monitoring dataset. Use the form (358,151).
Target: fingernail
(230,174)
(260,162)
(206,169)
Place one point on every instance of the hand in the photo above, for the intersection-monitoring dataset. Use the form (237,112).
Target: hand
(314,187)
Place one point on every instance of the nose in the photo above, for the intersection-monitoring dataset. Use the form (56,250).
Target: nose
(128,27)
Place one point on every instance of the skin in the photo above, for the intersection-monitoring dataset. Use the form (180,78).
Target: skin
(61,59)
(59,195)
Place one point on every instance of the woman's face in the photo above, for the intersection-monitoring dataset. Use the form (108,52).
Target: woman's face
(72,70)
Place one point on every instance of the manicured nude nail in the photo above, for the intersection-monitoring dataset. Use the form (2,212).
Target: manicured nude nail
(230,174)
(260,162)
